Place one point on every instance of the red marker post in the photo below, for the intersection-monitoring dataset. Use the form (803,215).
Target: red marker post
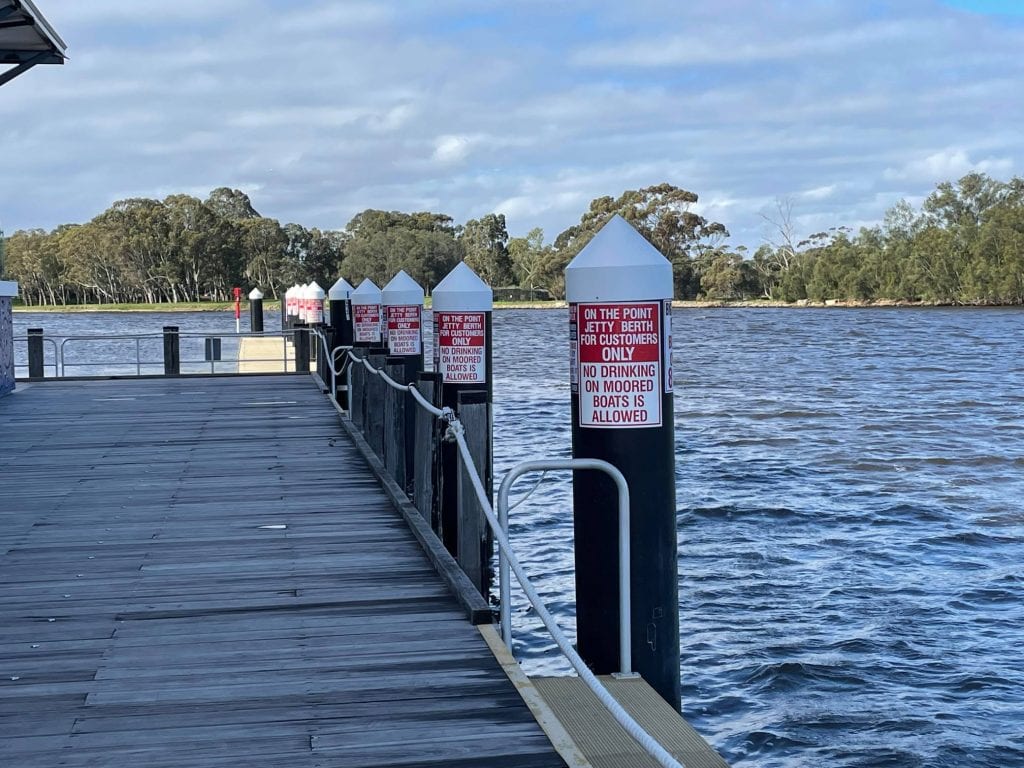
(619,289)
(238,309)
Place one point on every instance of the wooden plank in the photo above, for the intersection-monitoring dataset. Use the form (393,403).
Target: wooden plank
(477,609)
(206,572)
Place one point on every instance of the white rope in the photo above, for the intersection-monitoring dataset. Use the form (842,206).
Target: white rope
(410,388)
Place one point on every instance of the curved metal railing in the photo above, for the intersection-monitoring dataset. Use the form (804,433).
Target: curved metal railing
(63,348)
(46,341)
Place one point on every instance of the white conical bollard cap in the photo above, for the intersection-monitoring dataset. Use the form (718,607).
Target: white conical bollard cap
(366,293)
(462,290)
(255,294)
(340,291)
(314,291)
(402,290)
(618,264)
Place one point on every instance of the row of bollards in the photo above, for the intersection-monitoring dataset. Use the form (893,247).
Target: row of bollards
(619,289)
(385,327)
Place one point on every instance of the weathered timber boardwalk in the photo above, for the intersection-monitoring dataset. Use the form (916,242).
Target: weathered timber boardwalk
(203,572)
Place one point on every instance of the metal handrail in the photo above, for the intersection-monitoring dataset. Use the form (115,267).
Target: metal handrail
(542,465)
(456,432)
(60,363)
(45,340)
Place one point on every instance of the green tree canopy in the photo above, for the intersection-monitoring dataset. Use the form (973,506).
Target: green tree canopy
(485,249)
(380,243)
(662,214)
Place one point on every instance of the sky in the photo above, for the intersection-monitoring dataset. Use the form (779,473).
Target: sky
(319,109)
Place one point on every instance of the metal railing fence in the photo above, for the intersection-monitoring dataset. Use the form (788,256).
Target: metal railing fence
(141,353)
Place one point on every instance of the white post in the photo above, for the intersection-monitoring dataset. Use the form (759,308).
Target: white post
(315,296)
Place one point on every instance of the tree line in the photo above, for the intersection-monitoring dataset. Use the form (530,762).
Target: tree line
(965,245)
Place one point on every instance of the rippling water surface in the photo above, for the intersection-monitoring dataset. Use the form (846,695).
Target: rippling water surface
(850,489)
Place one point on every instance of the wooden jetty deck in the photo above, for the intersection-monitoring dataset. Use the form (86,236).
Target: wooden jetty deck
(203,572)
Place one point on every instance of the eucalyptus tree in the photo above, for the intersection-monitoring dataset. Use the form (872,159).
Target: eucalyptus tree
(484,244)
(528,255)
(661,213)
(380,243)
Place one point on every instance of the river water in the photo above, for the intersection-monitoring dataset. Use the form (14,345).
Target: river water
(850,492)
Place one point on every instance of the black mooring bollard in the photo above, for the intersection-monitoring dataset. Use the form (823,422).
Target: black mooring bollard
(402,299)
(35,353)
(357,396)
(300,340)
(374,404)
(256,311)
(340,310)
(475,540)
(426,476)
(619,290)
(463,306)
(397,440)
(172,351)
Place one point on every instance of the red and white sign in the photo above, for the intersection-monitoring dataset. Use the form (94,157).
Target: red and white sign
(461,351)
(367,322)
(620,367)
(404,329)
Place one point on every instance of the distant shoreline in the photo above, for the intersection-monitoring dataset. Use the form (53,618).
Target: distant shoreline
(499,305)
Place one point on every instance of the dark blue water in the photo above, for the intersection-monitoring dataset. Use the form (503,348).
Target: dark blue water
(850,486)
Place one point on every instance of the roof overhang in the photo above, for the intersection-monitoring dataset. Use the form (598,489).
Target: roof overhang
(26,39)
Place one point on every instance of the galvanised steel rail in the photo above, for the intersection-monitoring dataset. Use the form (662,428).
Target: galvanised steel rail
(45,340)
(62,360)
(625,608)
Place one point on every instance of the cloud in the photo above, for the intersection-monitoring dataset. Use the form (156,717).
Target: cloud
(723,46)
(323,109)
(949,165)
(819,193)
(452,149)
